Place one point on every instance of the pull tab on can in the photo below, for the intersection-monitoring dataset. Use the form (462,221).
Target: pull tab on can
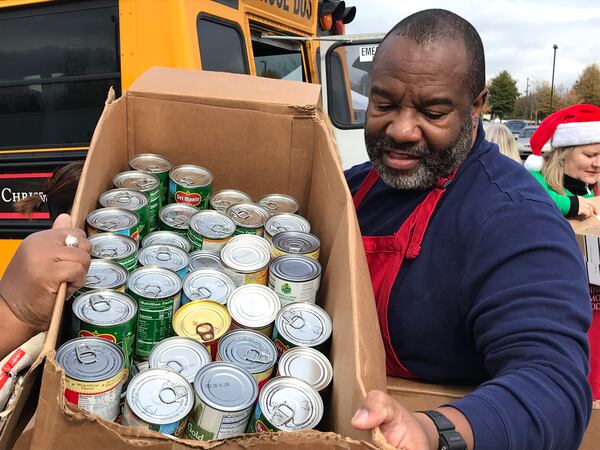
(171,394)
(124,198)
(271,206)
(163,254)
(109,252)
(295,247)
(109,224)
(282,414)
(218,228)
(242,214)
(85,355)
(206,331)
(92,280)
(187,181)
(175,366)
(203,292)
(255,356)
(99,303)
(152,290)
(294,320)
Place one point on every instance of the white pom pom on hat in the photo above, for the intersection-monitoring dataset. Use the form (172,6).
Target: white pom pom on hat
(534,162)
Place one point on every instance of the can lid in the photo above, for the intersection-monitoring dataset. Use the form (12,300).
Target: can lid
(307,364)
(182,355)
(167,238)
(248,349)
(249,215)
(103,307)
(150,162)
(223,199)
(177,215)
(226,387)
(253,305)
(105,274)
(123,198)
(286,222)
(166,256)
(112,219)
(203,320)
(139,181)
(205,259)
(279,203)
(191,176)
(244,256)
(112,245)
(291,404)
(295,268)
(208,284)
(212,224)
(90,359)
(296,242)
(160,396)
(251,239)
(304,324)
(154,282)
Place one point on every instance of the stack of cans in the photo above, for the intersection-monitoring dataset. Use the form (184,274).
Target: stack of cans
(199,316)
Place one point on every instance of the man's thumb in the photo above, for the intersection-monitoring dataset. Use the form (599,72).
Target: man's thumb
(63,221)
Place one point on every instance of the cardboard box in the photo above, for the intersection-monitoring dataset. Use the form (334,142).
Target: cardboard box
(261,136)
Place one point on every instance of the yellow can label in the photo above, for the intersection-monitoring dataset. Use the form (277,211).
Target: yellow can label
(275,252)
(261,277)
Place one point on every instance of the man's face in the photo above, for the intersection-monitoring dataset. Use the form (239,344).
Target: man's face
(421,122)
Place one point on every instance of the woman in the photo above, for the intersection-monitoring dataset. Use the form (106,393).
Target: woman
(499,134)
(571,170)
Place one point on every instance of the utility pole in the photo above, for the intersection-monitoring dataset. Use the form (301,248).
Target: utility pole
(555,47)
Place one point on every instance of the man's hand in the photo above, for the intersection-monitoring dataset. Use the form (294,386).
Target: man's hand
(401,428)
(35,273)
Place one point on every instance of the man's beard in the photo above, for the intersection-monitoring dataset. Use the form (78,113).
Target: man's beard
(433,165)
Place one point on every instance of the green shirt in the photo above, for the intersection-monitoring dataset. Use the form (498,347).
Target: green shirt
(562,200)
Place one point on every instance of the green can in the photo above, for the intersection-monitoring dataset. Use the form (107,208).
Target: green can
(103,274)
(147,183)
(114,247)
(176,218)
(249,218)
(210,230)
(157,165)
(158,295)
(131,200)
(190,185)
(109,315)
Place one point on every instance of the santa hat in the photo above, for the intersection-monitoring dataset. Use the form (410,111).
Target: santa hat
(575,125)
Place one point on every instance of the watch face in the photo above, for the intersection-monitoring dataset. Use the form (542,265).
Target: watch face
(452,440)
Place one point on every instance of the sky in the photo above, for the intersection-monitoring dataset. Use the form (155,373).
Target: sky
(517,35)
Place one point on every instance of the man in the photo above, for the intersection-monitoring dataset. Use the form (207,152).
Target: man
(31,281)
(477,278)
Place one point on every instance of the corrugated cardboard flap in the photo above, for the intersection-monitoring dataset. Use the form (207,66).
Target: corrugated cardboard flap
(227,89)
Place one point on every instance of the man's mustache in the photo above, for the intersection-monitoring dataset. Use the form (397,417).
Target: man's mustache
(388,145)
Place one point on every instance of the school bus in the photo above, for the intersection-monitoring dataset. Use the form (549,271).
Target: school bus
(60,57)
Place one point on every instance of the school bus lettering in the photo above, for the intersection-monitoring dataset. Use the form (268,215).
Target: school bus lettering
(302,8)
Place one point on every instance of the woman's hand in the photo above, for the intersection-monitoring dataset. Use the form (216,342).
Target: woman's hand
(588,207)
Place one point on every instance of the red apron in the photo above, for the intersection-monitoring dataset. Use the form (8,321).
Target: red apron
(385,255)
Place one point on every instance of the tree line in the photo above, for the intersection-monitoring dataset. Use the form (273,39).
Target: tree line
(505,100)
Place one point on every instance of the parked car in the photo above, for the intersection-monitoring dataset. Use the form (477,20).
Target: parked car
(515,126)
(523,144)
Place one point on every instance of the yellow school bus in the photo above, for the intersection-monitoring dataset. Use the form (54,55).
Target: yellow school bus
(59,59)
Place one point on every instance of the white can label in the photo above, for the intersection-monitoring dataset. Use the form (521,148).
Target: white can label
(101,398)
(207,423)
(290,291)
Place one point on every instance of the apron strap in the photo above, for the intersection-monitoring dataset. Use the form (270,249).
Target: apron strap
(365,187)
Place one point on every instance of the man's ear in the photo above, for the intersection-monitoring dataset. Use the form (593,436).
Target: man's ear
(479,104)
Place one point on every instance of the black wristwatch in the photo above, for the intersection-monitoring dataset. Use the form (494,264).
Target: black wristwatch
(450,439)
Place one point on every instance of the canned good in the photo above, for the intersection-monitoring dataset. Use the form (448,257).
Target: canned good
(249,218)
(165,256)
(131,200)
(159,400)
(207,284)
(295,278)
(94,374)
(286,404)
(204,259)
(296,243)
(147,183)
(245,262)
(113,220)
(158,294)
(138,367)
(109,315)
(104,274)
(204,321)
(254,307)
(210,230)
(157,165)
(176,217)
(223,199)
(307,364)
(225,397)
(285,222)
(301,324)
(279,204)
(252,239)
(117,248)
(190,185)
(179,354)
(167,238)
(253,351)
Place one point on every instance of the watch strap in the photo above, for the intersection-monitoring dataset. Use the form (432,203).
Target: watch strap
(450,439)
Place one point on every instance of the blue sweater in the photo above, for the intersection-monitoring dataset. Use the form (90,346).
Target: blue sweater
(497,297)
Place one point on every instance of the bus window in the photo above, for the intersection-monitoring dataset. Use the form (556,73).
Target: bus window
(221,45)
(58,62)
(276,58)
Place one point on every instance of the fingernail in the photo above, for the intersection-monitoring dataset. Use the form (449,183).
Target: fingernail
(360,415)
